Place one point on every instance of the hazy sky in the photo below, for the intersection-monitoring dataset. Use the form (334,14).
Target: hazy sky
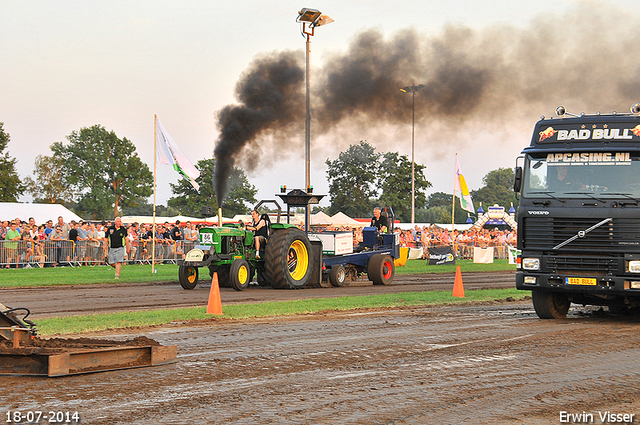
(491,69)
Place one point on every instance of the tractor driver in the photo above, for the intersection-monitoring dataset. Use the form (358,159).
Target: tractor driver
(259,227)
(379,221)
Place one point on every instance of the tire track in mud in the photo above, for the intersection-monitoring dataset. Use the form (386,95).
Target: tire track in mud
(491,364)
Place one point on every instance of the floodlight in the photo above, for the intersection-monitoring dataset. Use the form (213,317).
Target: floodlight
(323,20)
(308,15)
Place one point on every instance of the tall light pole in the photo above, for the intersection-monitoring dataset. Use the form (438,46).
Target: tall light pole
(310,19)
(413,90)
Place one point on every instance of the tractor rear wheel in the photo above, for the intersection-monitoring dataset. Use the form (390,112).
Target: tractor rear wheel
(287,262)
(381,269)
(188,277)
(239,275)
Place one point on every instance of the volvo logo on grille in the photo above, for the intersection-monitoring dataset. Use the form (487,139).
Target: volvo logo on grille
(538,212)
(581,234)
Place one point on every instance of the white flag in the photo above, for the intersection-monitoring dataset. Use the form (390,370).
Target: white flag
(168,152)
(465,197)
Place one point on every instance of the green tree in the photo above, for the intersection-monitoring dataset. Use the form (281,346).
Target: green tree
(105,171)
(438,199)
(190,201)
(10,185)
(48,185)
(439,210)
(352,180)
(497,189)
(146,208)
(395,182)
(317,208)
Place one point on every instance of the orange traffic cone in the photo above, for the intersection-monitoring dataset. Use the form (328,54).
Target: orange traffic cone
(215,304)
(458,288)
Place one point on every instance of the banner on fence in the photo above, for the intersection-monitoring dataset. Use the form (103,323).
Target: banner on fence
(483,255)
(443,255)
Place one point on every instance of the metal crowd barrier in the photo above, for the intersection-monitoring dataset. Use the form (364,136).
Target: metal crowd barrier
(48,253)
(34,254)
(166,251)
(465,252)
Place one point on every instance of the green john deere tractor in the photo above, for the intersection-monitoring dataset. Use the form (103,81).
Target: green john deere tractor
(229,251)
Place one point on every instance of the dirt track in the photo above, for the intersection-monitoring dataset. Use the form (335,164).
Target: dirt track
(489,364)
(86,299)
(475,364)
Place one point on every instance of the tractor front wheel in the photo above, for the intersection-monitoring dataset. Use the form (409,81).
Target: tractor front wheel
(239,275)
(188,277)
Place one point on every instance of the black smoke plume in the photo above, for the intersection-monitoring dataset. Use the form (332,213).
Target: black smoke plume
(270,102)
(475,80)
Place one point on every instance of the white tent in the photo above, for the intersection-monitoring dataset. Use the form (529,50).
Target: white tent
(320,219)
(458,227)
(341,219)
(294,219)
(214,219)
(40,212)
(128,219)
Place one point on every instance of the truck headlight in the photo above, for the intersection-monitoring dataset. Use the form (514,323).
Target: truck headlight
(634,266)
(531,263)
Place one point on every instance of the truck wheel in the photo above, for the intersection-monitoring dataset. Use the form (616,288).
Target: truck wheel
(239,275)
(381,269)
(338,276)
(188,277)
(550,305)
(286,259)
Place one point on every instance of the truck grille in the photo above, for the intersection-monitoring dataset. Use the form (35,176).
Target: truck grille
(582,266)
(617,236)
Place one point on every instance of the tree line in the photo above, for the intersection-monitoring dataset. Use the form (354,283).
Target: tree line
(361,178)
(99,175)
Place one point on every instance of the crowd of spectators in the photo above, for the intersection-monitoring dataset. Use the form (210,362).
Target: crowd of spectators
(84,243)
(23,243)
(433,236)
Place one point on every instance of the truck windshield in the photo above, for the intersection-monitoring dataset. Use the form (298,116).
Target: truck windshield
(579,175)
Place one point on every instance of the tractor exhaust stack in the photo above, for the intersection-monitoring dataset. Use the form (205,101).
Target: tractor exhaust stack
(220,217)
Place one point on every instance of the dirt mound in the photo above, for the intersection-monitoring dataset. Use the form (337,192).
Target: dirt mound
(48,346)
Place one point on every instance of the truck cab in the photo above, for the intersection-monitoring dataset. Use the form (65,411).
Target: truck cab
(579,213)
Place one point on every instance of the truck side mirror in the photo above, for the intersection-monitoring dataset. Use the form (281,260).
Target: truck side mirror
(517,180)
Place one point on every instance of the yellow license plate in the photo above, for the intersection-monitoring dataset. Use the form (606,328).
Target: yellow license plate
(581,281)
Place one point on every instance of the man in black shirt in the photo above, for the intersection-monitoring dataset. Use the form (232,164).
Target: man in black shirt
(176,236)
(379,221)
(73,236)
(117,236)
(176,233)
(260,230)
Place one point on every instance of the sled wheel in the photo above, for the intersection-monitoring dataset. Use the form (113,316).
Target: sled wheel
(338,276)
(381,269)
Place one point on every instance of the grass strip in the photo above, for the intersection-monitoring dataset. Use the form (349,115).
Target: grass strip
(106,321)
(54,276)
